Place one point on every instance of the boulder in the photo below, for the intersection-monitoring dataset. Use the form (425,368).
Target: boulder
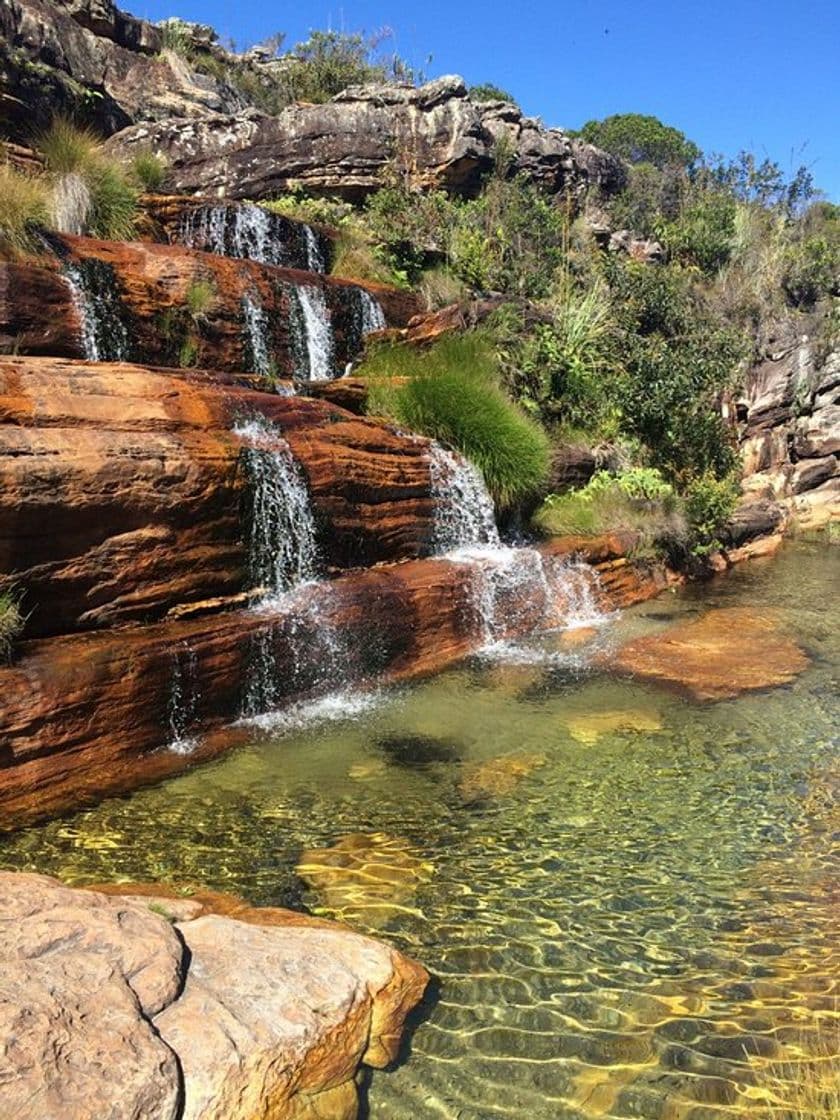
(109,1010)
(345,147)
(751,519)
(819,434)
(716,657)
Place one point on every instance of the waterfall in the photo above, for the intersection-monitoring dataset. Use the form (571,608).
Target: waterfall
(282,550)
(94,292)
(371,315)
(257,337)
(463,509)
(183,698)
(253,233)
(312,326)
(315,257)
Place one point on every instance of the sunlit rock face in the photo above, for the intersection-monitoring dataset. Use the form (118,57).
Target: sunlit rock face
(718,656)
(117,1012)
(344,147)
(791,432)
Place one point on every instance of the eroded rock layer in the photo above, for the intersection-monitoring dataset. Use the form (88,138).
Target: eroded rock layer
(123,488)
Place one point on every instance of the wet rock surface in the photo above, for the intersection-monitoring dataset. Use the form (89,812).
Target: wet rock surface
(108,1009)
(716,657)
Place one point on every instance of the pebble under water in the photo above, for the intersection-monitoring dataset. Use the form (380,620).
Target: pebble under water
(628,900)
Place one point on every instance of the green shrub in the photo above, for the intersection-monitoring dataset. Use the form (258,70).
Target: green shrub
(451,393)
(439,288)
(486,91)
(704,233)
(709,503)
(24,206)
(149,171)
(113,203)
(638,499)
(11,624)
(199,297)
(641,139)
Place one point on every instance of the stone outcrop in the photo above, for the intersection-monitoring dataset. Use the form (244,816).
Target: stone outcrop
(434,133)
(142,308)
(139,478)
(108,1008)
(87,58)
(715,657)
(791,429)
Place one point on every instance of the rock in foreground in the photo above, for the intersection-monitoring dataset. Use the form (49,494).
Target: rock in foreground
(107,1009)
(715,657)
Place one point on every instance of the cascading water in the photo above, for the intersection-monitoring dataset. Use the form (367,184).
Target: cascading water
(312,334)
(95,296)
(282,547)
(370,313)
(183,698)
(507,583)
(256,334)
(255,234)
(463,509)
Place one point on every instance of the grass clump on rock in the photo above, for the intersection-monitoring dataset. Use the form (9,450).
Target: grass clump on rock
(24,207)
(11,624)
(450,392)
(91,193)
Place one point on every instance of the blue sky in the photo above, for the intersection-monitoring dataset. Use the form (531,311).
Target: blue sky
(759,74)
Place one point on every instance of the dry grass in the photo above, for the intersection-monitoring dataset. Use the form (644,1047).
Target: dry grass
(11,624)
(807,1088)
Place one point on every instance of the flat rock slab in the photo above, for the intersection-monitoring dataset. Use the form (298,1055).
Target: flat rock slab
(717,656)
(109,1011)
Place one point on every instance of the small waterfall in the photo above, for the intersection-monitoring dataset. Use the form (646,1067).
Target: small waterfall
(257,337)
(183,698)
(253,233)
(315,256)
(463,509)
(312,334)
(261,692)
(95,296)
(371,315)
(282,549)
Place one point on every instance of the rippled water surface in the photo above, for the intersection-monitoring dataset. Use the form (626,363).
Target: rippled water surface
(630,901)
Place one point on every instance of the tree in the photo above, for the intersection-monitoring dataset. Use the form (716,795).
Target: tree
(641,139)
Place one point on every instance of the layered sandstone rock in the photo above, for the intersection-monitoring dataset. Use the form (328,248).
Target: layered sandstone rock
(123,488)
(109,1010)
(791,437)
(435,132)
(718,656)
(141,308)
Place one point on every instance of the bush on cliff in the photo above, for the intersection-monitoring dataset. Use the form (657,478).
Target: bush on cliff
(641,139)
(450,392)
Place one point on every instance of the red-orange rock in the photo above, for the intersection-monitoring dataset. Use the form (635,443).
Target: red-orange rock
(120,488)
(717,656)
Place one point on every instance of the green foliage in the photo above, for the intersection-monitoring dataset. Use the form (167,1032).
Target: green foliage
(450,392)
(641,139)
(709,503)
(486,91)
(24,206)
(704,232)
(812,260)
(638,499)
(763,184)
(149,171)
(111,204)
(652,194)
(199,297)
(11,624)
(439,288)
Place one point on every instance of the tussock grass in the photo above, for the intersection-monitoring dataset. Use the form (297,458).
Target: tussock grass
(24,206)
(450,392)
(149,171)
(11,624)
(439,288)
(91,192)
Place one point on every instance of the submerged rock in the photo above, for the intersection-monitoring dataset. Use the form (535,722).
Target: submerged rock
(717,656)
(498,776)
(106,1009)
(365,876)
(589,727)
(418,750)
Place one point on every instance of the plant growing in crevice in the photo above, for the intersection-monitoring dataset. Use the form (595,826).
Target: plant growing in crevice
(12,622)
